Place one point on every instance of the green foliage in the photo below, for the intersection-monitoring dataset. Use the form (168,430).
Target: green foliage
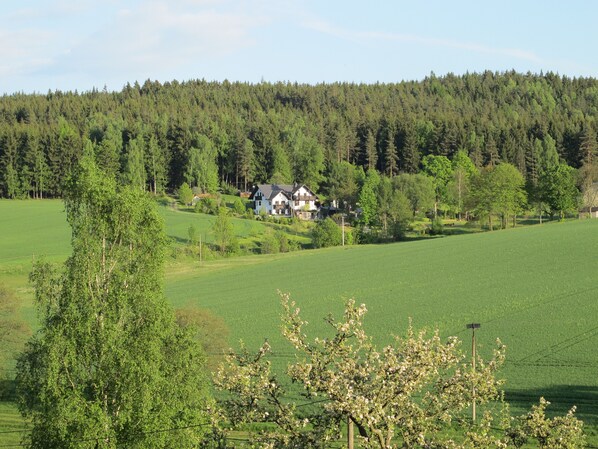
(419,190)
(287,132)
(394,211)
(440,169)
(134,172)
(238,206)
(343,184)
(360,382)
(202,170)
(368,200)
(326,233)
(224,237)
(558,189)
(185,194)
(498,190)
(109,366)
(437,227)
(208,205)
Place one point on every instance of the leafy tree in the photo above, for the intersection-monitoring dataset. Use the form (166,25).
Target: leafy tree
(185,194)
(326,233)
(509,194)
(368,200)
(439,168)
(559,190)
(109,366)
(394,210)
(498,190)
(419,190)
(410,391)
(224,235)
(463,170)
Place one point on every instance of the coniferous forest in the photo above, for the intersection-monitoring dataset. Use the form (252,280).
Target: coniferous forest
(210,134)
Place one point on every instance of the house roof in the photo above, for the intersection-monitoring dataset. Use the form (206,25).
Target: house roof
(271,190)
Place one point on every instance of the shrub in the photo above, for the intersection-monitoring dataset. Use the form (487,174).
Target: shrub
(326,233)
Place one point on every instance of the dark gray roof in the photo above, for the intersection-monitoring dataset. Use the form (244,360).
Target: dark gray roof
(271,190)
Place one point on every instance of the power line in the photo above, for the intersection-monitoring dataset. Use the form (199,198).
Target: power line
(148,432)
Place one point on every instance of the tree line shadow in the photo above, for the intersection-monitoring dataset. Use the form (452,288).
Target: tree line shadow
(561,398)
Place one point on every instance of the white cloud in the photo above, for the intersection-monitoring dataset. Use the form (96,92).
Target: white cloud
(159,35)
(367,36)
(24,51)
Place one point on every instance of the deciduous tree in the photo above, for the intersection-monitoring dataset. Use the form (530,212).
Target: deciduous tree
(109,366)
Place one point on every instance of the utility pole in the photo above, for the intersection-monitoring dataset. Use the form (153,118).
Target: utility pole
(473,327)
(343,227)
(349,433)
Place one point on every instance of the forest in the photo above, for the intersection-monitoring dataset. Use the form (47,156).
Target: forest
(223,135)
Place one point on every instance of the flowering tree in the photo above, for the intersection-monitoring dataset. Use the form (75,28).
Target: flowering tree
(403,395)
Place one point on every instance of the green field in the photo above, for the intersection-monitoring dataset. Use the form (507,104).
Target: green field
(534,287)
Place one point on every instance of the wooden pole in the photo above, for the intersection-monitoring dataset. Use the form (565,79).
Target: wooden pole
(343,220)
(349,433)
(473,327)
(473,417)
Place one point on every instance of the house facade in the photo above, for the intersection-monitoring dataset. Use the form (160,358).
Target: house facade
(281,200)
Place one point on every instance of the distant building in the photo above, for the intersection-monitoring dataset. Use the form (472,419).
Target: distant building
(282,200)
(590,202)
(591,212)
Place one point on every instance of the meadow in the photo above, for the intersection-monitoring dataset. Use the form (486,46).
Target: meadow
(533,287)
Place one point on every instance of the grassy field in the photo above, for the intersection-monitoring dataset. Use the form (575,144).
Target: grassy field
(534,287)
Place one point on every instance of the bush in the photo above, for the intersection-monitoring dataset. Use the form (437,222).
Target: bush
(269,244)
(437,227)
(238,206)
(326,233)
(208,206)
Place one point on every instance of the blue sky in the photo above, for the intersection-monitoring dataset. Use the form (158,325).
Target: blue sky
(81,44)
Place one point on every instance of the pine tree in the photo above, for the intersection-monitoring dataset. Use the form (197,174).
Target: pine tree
(391,158)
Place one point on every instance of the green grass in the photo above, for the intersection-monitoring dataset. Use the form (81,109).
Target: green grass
(11,424)
(534,287)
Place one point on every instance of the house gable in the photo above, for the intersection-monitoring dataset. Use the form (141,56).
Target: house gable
(285,200)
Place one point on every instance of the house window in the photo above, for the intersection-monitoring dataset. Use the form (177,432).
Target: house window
(259,203)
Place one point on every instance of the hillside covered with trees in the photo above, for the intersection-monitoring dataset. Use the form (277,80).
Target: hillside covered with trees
(209,134)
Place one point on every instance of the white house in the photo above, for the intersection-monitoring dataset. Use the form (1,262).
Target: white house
(285,201)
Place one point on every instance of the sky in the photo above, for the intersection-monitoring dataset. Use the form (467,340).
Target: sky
(84,44)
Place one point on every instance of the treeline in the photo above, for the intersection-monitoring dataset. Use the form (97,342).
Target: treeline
(209,134)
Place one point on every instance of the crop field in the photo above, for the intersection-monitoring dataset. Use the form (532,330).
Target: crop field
(535,288)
